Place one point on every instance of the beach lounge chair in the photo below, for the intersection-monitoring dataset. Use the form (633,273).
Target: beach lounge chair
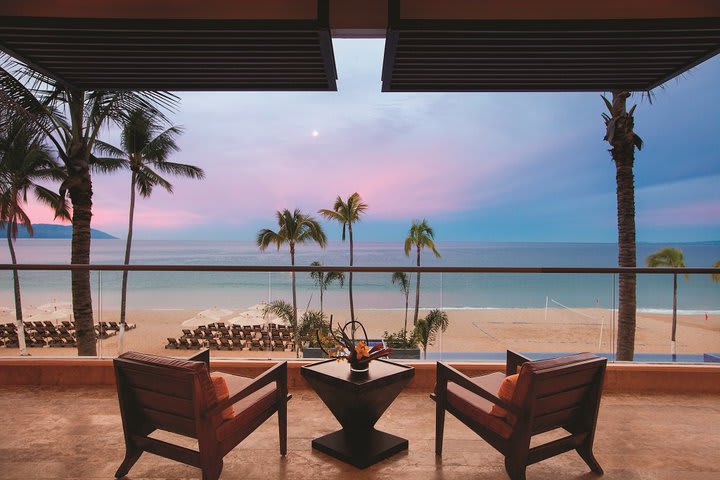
(194,343)
(556,393)
(68,324)
(179,396)
(172,343)
(187,333)
(226,343)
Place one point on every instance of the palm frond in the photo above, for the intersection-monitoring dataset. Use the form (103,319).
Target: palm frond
(146,179)
(281,309)
(180,169)
(666,257)
(109,150)
(58,203)
(162,145)
(401,279)
(107,164)
(266,237)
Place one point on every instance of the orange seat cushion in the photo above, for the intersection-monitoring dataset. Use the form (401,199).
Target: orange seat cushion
(505,392)
(477,408)
(222,393)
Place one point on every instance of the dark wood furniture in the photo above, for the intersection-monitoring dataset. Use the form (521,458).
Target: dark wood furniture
(161,393)
(357,403)
(561,392)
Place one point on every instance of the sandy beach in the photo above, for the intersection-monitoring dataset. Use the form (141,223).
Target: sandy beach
(476,330)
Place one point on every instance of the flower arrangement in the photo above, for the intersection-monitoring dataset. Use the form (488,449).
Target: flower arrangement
(344,347)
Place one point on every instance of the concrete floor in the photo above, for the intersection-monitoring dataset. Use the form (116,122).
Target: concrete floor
(74,433)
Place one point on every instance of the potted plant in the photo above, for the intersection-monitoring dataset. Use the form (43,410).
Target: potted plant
(404,345)
(358,353)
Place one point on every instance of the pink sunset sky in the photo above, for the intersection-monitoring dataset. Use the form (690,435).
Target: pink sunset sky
(490,167)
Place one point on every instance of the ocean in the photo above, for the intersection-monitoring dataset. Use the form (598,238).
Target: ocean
(181,290)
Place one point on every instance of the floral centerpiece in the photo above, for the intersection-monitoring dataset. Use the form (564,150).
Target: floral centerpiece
(345,347)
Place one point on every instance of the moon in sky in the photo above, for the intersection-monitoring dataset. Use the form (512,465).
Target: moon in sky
(315,133)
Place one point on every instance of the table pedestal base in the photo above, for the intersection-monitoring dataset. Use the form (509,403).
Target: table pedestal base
(360,450)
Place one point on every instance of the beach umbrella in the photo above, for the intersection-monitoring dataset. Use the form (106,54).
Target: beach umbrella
(198,320)
(254,316)
(210,315)
(215,312)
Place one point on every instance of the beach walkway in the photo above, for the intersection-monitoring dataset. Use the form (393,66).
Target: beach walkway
(75,432)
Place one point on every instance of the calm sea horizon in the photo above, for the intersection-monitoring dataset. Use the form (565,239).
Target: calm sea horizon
(171,290)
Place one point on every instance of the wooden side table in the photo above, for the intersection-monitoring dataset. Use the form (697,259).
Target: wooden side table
(357,403)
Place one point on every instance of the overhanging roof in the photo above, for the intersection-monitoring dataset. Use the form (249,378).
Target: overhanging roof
(541,54)
(432,45)
(277,53)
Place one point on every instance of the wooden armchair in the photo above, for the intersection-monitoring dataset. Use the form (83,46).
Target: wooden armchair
(161,393)
(561,392)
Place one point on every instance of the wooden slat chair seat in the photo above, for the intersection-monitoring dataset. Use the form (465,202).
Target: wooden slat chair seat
(561,392)
(178,396)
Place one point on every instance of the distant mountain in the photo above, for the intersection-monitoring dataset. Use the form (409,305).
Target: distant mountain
(47,230)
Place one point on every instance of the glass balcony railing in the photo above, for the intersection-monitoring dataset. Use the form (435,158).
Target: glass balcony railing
(538,311)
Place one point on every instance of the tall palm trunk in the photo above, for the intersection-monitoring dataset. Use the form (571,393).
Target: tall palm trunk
(321,299)
(417,290)
(80,189)
(128,246)
(16,284)
(296,326)
(623,155)
(673,345)
(407,301)
(350,283)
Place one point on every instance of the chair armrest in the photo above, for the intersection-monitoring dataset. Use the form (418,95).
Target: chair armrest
(202,356)
(514,360)
(446,373)
(278,374)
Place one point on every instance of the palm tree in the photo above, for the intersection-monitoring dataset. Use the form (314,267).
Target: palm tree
(420,235)
(669,257)
(324,279)
(24,160)
(619,134)
(401,279)
(71,119)
(716,276)
(294,228)
(305,328)
(347,213)
(427,328)
(145,147)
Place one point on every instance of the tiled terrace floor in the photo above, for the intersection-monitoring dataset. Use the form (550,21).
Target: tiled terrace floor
(74,433)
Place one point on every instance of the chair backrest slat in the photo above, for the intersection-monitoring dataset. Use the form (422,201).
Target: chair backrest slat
(553,420)
(168,422)
(182,407)
(564,393)
(560,401)
(556,382)
(175,386)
